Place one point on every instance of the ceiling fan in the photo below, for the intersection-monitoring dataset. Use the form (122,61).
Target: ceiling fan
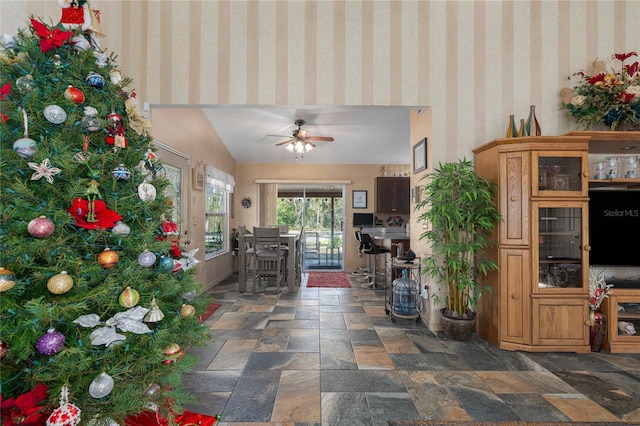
(300,140)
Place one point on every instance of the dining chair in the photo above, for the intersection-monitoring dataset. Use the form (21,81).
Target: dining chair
(248,250)
(270,258)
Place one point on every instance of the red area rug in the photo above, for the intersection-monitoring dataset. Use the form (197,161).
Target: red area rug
(328,280)
(210,310)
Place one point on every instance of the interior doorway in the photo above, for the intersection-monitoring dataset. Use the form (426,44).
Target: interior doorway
(318,210)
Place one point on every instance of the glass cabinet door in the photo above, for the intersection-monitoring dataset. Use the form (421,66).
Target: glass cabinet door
(561,173)
(561,231)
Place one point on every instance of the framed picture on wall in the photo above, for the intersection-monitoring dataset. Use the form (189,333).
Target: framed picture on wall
(198,179)
(420,156)
(359,199)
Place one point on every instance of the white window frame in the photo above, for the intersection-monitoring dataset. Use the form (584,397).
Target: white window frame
(222,183)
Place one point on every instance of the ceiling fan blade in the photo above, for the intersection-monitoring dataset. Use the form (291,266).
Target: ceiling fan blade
(280,136)
(312,144)
(284,142)
(321,138)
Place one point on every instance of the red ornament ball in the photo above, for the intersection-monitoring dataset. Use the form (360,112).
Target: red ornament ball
(4,349)
(41,227)
(108,258)
(74,95)
(51,343)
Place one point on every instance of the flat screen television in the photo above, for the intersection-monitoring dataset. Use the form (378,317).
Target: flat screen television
(614,227)
(362,219)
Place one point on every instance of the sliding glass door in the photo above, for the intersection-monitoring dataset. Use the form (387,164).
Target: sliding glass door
(319,209)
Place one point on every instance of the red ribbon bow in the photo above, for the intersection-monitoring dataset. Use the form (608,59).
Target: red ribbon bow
(105,218)
(5,91)
(50,39)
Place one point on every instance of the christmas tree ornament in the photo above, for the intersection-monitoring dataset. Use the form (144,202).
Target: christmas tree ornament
(146,191)
(73,94)
(121,173)
(7,279)
(26,83)
(95,80)
(165,264)
(108,258)
(101,386)
(90,121)
(54,114)
(121,228)
(115,131)
(50,343)
(57,61)
(115,76)
(41,227)
(137,122)
(152,390)
(44,170)
(93,214)
(4,349)
(154,314)
(60,283)
(187,311)
(177,266)
(129,297)
(50,38)
(66,414)
(172,353)
(146,259)
(25,147)
(189,295)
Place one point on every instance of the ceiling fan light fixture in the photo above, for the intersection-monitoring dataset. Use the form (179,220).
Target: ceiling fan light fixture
(290,147)
(307,147)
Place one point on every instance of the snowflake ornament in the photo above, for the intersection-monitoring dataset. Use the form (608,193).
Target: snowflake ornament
(44,170)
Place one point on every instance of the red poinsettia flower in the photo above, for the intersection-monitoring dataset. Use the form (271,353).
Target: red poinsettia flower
(24,410)
(623,56)
(105,218)
(50,38)
(175,252)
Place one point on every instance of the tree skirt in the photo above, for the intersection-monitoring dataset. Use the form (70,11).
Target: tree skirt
(328,280)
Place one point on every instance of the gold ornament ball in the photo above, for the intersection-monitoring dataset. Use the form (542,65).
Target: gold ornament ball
(7,279)
(172,353)
(108,258)
(187,311)
(60,283)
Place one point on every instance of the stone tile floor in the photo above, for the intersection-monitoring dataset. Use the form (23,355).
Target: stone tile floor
(322,356)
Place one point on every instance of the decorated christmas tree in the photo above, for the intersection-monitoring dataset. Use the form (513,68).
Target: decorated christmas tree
(97,301)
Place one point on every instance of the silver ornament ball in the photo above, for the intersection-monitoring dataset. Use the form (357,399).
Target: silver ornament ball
(54,114)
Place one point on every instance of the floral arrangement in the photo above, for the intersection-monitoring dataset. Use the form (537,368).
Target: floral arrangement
(598,288)
(606,95)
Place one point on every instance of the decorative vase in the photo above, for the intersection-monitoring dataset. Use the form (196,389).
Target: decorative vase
(532,126)
(512,132)
(457,328)
(598,329)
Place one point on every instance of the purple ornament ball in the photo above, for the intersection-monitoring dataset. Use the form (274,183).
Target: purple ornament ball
(50,343)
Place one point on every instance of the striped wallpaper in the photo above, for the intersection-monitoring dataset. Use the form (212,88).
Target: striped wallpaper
(473,62)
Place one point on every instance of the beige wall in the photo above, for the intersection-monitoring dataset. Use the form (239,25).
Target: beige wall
(473,62)
(188,131)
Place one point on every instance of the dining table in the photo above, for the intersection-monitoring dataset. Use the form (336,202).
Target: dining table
(291,239)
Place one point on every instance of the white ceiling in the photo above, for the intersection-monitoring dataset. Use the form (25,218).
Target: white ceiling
(363,135)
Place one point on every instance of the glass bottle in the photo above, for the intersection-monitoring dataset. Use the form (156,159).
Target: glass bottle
(631,171)
(612,167)
(512,131)
(532,126)
(600,172)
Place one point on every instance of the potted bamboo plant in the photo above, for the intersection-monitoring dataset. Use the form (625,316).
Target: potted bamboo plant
(459,208)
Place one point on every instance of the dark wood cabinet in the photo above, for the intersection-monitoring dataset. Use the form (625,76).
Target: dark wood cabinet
(393,195)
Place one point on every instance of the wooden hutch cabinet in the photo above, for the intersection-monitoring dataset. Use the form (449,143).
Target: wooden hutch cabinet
(539,296)
(393,195)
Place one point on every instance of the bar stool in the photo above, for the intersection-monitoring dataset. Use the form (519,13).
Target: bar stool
(372,250)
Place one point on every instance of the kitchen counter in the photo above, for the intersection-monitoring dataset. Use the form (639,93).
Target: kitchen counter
(387,233)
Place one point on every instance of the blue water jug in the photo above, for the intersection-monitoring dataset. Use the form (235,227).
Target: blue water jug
(405,294)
